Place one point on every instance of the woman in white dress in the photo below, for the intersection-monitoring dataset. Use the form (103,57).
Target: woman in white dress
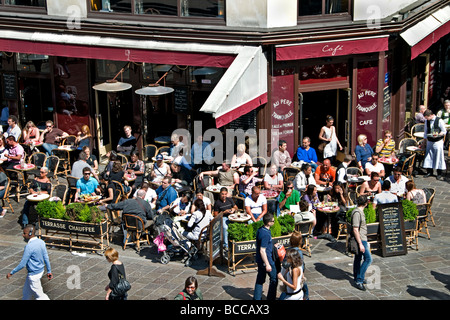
(328,134)
(292,276)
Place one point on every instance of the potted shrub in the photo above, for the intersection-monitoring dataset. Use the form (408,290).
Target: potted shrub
(370,213)
(410,213)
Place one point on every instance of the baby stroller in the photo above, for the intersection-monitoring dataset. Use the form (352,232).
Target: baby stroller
(178,244)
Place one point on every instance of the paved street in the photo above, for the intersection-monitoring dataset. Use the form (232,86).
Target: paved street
(422,275)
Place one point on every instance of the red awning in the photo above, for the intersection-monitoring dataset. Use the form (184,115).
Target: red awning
(429,40)
(120,54)
(331,48)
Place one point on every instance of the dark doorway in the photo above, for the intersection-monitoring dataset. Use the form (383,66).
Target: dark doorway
(37,100)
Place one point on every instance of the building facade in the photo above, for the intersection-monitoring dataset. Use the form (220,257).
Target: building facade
(278,65)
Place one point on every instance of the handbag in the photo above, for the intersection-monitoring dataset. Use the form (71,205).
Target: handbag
(322,146)
(122,286)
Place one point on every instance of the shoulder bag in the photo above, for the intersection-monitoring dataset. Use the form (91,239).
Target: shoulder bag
(352,245)
(122,286)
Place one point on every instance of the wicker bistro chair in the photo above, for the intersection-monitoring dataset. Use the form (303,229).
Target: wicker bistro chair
(261,163)
(72,188)
(149,152)
(289,173)
(306,231)
(163,149)
(6,194)
(60,191)
(430,192)
(420,127)
(69,140)
(406,142)
(135,229)
(64,166)
(408,166)
(18,181)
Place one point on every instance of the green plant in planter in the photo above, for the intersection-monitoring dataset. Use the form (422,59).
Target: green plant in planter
(245,232)
(369,212)
(410,211)
(287,223)
(240,231)
(46,209)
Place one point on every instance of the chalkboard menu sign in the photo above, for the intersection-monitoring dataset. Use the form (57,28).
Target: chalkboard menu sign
(215,235)
(9,86)
(392,229)
(181,99)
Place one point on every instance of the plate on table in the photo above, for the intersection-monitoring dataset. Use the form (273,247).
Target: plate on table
(89,198)
(214,188)
(412,148)
(269,193)
(239,217)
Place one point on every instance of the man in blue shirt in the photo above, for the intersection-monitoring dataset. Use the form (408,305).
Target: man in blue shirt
(34,258)
(87,184)
(166,194)
(266,265)
(307,154)
(128,143)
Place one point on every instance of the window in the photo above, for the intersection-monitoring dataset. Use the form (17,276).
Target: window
(33,63)
(28,3)
(319,7)
(182,8)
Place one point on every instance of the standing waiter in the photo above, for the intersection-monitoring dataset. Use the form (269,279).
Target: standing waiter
(434,134)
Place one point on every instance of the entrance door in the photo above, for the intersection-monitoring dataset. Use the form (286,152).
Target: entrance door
(316,105)
(344,116)
(36,98)
(103,124)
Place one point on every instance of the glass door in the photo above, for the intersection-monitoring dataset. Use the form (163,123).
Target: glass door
(103,124)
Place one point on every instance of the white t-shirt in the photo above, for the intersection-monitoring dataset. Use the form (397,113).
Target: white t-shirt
(255,207)
(149,196)
(377,168)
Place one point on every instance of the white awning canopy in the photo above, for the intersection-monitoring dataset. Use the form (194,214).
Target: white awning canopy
(242,88)
(427,32)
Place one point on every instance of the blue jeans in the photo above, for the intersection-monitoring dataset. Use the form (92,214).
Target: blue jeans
(261,278)
(225,223)
(359,269)
(48,147)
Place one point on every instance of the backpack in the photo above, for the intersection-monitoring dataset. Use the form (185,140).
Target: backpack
(278,254)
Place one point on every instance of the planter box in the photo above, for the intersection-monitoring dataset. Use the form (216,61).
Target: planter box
(244,250)
(74,234)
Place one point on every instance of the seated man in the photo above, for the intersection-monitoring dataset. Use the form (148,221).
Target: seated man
(166,194)
(87,185)
(256,205)
(398,182)
(385,196)
(325,174)
(13,129)
(180,175)
(281,158)
(79,165)
(341,171)
(374,166)
(307,154)
(226,175)
(289,197)
(206,200)
(247,181)
(224,205)
(385,147)
(51,136)
(15,153)
(128,143)
(138,207)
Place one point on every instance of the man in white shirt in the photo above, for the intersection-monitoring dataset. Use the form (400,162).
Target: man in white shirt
(434,134)
(385,196)
(375,166)
(13,129)
(398,182)
(281,158)
(256,205)
(341,171)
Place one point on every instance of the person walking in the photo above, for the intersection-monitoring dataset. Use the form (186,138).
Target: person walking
(292,276)
(328,135)
(35,258)
(190,291)
(117,270)
(359,229)
(264,260)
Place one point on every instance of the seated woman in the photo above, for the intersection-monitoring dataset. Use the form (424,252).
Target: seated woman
(30,133)
(91,159)
(311,196)
(363,151)
(415,195)
(117,174)
(84,138)
(3,181)
(304,178)
(137,167)
(40,185)
(198,220)
(289,196)
(108,192)
(241,158)
(338,194)
(206,201)
(305,213)
(273,180)
(3,147)
(181,206)
(371,187)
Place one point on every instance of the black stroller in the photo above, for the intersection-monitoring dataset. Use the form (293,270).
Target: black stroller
(177,244)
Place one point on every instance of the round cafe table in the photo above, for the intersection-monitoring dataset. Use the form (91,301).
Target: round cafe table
(328,208)
(38,197)
(388,164)
(269,194)
(239,217)
(26,167)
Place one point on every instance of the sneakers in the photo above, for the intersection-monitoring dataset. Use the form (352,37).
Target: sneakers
(3,213)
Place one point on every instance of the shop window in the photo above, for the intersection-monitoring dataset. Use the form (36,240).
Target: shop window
(319,72)
(182,8)
(320,7)
(33,63)
(27,3)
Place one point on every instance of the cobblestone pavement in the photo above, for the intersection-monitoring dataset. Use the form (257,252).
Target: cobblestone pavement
(421,275)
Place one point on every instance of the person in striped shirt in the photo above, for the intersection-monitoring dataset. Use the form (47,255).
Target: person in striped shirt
(385,147)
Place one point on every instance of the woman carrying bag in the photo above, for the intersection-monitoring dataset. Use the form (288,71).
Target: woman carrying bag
(292,276)
(116,276)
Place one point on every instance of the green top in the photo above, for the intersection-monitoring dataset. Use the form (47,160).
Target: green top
(293,199)
(183,295)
